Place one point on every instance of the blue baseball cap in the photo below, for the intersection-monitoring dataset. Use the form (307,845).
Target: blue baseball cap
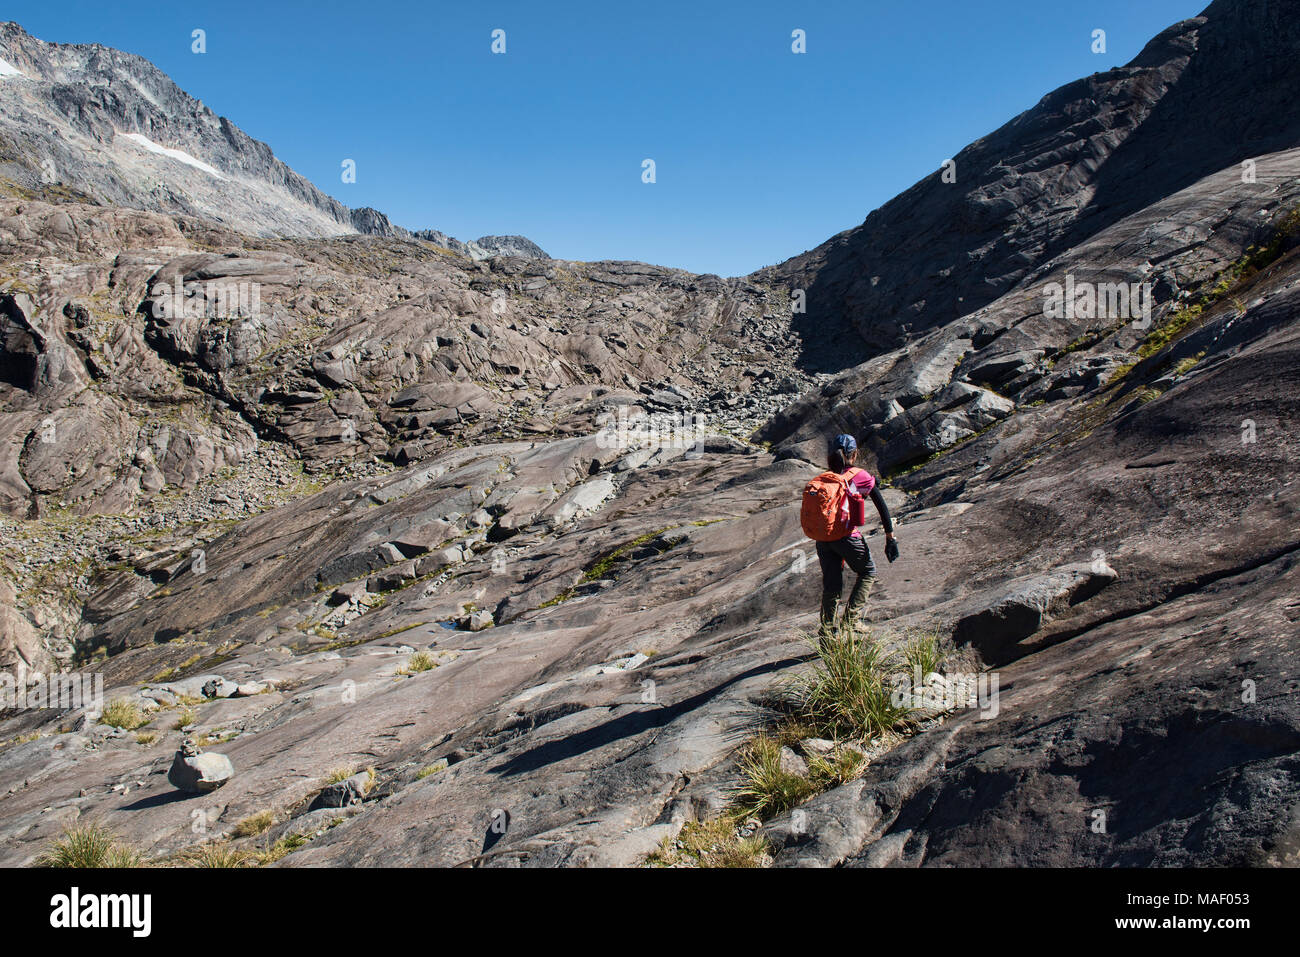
(845,443)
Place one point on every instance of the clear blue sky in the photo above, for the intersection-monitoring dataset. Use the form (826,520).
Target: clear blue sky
(760,153)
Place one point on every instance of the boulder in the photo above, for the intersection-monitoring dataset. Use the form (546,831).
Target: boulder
(1076,374)
(476,621)
(423,537)
(342,793)
(579,501)
(1027,604)
(791,763)
(200,686)
(958,412)
(218,688)
(199,772)
(523,509)
(996,369)
(392,578)
(347,593)
(820,747)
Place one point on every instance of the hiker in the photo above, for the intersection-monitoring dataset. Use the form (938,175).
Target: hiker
(834,507)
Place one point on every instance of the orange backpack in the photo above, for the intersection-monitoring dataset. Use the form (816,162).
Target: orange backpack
(824,515)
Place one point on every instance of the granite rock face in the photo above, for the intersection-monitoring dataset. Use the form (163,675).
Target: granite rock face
(1028,605)
(485,247)
(1013,351)
(340,351)
(1205,95)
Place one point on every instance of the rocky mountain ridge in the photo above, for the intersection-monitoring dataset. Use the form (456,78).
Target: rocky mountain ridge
(88,122)
(1087,156)
(150,380)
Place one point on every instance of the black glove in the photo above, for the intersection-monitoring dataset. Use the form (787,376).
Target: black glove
(891,549)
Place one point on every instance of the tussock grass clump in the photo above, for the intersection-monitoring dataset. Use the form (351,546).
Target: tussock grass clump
(767,788)
(281,848)
(840,767)
(224,854)
(605,565)
(23,738)
(340,773)
(924,653)
(186,717)
(790,730)
(848,698)
(216,736)
(1187,364)
(124,714)
(219,855)
(255,824)
(418,662)
(1161,336)
(847,694)
(716,843)
(89,845)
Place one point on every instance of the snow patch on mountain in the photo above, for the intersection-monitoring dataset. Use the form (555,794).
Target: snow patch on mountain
(179,155)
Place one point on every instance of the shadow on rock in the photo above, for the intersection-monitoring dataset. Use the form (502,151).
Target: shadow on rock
(628,725)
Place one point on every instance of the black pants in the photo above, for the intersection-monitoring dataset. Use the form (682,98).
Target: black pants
(833,555)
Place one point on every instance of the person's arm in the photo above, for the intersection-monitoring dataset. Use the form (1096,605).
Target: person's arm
(885,519)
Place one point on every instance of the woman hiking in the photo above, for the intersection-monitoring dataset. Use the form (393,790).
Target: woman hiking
(833,509)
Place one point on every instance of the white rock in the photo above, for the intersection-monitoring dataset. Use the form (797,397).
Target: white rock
(201,772)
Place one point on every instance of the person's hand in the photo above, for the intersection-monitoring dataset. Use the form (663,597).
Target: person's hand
(891,548)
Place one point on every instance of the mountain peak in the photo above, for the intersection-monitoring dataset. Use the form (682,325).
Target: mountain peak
(106,126)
